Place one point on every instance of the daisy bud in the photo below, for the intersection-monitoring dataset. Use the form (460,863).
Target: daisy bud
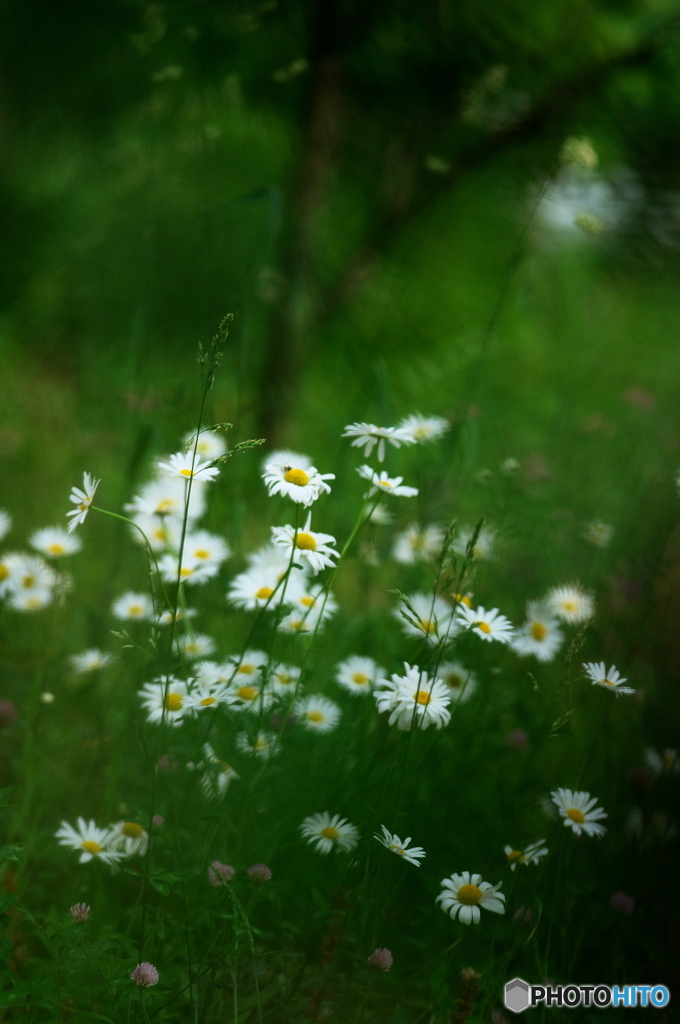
(381,958)
(80,912)
(623,902)
(219,873)
(145,975)
(259,873)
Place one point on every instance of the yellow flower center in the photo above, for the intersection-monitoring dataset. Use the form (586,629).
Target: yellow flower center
(453,680)
(308,601)
(469,895)
(427,626)
(360,679)
(207,701)
(330,833)
(316,716)
(246,692)
(164,505)
(186,571)
(417,541)
(608,682)
(385,483)
(296,476)
(56,549)
(91,847)
(484,626)
(539,631)
(132,830)
(569,605)
(33,602)
(421,433)
(264,593)
(135,609)
(576,815)
(186,472)
(515,855)
(160,534)
(422,697)
(202,553)
(464,600)
(246,669)
(28,581)
(305,542)
(174,701)
(84,505)
(4,572)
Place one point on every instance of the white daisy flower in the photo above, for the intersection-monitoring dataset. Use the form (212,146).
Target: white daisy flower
(489,625)
(358,675)
(464,894)
(328,833)
(197,645)
(5,523)
(412,855)
(90,660)
(380,516)
(262,746)
(247,667)
(132,606)
(317,713)
(187,467)
(597,533)
(540,635)
(459,680)
(166,701)
(310,547)
(284,679)
(191,571)
(55,542)
(367,436)
(580,811)
(30,600)
(10,568)
(208,695)
(206,547)
(424,428)
(484,545)
(303,484)
(210,446)
(530,855)
(571,603)
(249,696)
(82,499)
(166,497)
(417,544)
(660,763)
(29,574)
(165,618)
(128,838)
(257,586)
(217,774)
(161,531)
(414,698)
(210,673)
(311,608)
(435,619)
(90,840)
(611,680)
(380,482)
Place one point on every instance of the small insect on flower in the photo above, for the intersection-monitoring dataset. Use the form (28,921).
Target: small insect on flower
(380,482)
(145,975)
(186,466)
(417,544)
(219,874)
(80,912)
(358,675)
(82,499)
(165,700)
(580,811)
(92,842)
(217,775)
(489,625)
(90,660)
(133,607)
(610,680)
(424,428)
(367,436)
(5,523)
(264,744)
(530,855)
(313,548)
(294,477)
(571,603)
(411,854)
(317,713)
(381,958)
(459,680)
(484,545)
(414,698)
(129,838)
(328,833)
(464,894)
(434,618)
(53,542)
(540,635)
